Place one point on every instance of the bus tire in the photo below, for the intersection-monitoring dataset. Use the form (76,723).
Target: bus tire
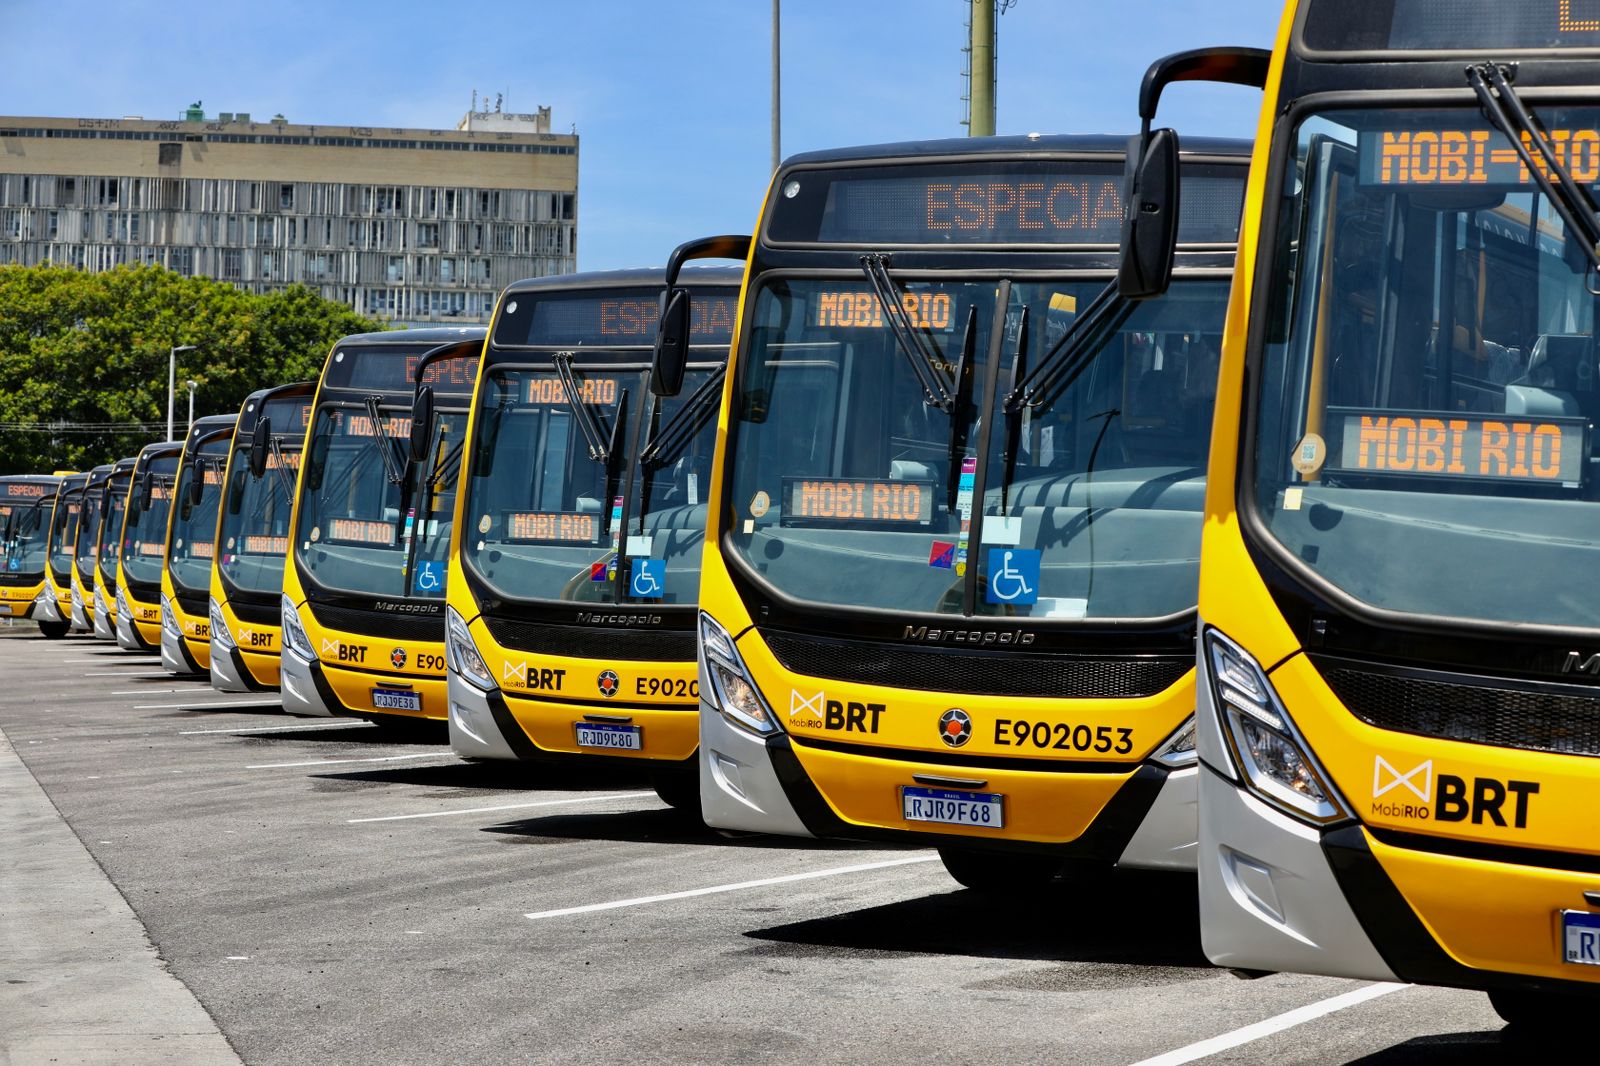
(1539,1015)
(54,630)
(992,871)
(680,791)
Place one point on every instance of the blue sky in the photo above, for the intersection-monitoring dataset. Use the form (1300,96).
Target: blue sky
(670,97)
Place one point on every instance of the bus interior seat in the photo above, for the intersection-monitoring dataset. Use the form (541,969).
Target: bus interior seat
(587,505)
(1562,367)
(909,470)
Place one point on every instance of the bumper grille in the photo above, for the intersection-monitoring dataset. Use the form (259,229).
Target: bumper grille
(1561,719)
(594,642)
(16,580)
(980,673)
(377,624)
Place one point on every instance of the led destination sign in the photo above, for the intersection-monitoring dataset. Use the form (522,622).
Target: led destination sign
(549,392)
(861,310)
(393,368)
(609,319)
(1453,26)
(359,531)
(552,527)
(822,501)
(23,490)
(1048,202)
(1549,451)
(1469,157)
(265,545)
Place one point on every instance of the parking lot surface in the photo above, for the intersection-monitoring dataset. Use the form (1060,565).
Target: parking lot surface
(330,891)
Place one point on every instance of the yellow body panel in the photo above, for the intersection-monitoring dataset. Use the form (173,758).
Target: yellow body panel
(258,644)
(18,600)
(354,688)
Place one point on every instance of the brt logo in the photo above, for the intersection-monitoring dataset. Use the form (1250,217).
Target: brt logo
(1420,794)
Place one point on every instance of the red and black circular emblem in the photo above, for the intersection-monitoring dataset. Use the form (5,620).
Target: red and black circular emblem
(608,683)
(398,657)
(955,728)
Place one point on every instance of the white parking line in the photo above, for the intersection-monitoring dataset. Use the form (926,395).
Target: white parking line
(342,724)
(126,673)
(206,706)
(331,762)
(191,690)
(502,807)
(1277,1024)
(763,883)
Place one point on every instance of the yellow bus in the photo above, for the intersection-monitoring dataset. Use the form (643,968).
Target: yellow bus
(1400,627)
(142,549)
(55,603)
(573,584)
(253,529)
(86,541)
(26,504)
(113,511)
(191,547)
(363,594)
(949,580)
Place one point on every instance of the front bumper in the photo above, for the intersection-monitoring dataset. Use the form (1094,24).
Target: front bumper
(304,690)
(45,608)
(231,672)
(175,656)
(80,617)
(103,625)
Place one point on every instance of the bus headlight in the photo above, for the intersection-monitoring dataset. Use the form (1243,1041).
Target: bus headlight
(1178,751)
(219,629)
(169,617)
(294,634)
(728,686)
(464,657)
(1266,746)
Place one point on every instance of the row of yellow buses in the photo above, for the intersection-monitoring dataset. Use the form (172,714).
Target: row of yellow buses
(1055,502)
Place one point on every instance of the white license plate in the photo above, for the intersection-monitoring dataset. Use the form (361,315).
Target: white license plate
(616,737)
(1581,937)
(5,608)
(985,810)
(390,699)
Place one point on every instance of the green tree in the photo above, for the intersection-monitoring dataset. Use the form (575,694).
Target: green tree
(86,350)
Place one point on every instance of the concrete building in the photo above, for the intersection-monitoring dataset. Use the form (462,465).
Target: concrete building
(408,224)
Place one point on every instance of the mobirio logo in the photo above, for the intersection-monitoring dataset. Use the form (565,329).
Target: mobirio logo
(1419,794)
(1011,638)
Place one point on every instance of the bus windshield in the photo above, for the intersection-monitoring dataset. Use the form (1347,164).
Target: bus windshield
(255,522)
(851,485)
(63,534)
(87,542)
(24,531)
(1429,382)
(193,542)
(116,502)
(550,517)
(146,536)
(371,521)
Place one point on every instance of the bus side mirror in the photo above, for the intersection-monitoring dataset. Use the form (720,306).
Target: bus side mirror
(197,485)
(421,424)
(1150,231)
(318,460)
(672,345)
(260,441)
(147,488)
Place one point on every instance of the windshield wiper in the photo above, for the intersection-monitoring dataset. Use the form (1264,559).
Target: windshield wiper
(962,405)
(1013,413)
(1511,117)
(393,469)
(275,443)
(1071,355)
(594,433)
(669,440)
(924,362)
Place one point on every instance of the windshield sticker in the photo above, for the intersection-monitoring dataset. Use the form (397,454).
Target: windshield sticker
(969,476)
(813,501)
(1002,530)
(1551,451)
(616,526)
(604,570)
(942,556)
(639,545)
(1309,455)
(549,527)
(1014,576)
(430,577)
(760,504)
(647,579)
(485,524)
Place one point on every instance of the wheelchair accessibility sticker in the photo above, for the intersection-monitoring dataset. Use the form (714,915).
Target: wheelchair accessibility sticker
(647,579)
(1013,576)
(430,578)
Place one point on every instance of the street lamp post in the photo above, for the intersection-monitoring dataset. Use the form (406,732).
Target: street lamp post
(192,386)
(172,380)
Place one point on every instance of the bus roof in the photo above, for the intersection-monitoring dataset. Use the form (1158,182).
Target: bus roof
(633,278)
(432,336)
(210,426)
(1032,144)
(46,479)
(158,450)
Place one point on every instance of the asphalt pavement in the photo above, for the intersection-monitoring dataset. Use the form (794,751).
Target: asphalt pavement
(330,892)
